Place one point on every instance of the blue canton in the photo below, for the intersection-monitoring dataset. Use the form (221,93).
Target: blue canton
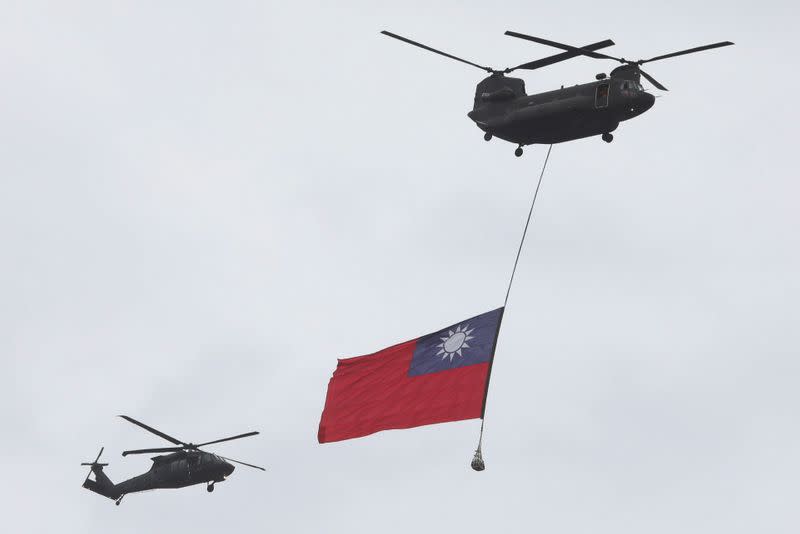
(465,343)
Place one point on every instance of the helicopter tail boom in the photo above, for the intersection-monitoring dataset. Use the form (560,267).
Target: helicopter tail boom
(101,484)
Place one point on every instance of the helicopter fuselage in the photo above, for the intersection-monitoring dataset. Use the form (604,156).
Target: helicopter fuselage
(503,110)
(176,470)
(185,465)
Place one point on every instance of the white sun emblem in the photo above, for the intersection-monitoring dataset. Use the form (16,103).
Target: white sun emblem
(453,342)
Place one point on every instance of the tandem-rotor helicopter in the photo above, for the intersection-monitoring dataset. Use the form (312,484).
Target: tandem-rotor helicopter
(186,465)
(502,108)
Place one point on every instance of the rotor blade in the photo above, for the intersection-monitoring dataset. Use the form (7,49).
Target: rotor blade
(96,459)
(243,463)
(153,430)
(544,62)
(568,48)
(652,80)
(227,439)
(162,449)
(689,51)
(429,49)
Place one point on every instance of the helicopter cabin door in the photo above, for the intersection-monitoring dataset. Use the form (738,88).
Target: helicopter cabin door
(601,95)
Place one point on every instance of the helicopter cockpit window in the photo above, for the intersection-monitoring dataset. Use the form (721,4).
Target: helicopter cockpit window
(631,85)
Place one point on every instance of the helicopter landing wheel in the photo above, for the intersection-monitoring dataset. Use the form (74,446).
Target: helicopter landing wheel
(518,151)
(487,136)
(119,500)
(607,137)
(210,487)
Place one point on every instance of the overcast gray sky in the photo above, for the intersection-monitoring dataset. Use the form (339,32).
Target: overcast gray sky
(203,205)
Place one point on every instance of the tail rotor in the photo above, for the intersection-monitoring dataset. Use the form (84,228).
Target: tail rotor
(94,464)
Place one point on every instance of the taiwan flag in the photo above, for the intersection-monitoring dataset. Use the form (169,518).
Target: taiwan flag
(436,378)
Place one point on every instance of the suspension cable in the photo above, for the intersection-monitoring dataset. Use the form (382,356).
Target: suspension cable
(477,461)
(527,223)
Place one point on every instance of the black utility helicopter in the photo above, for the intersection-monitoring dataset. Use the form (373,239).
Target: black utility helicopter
(185,466)
(503,109)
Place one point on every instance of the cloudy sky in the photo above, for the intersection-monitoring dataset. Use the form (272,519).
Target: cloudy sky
(204,204)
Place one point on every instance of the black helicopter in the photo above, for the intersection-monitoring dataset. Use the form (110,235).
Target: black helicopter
(503,109)
(186,465)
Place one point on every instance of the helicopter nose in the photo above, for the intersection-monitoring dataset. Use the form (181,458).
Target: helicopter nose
(228,468)
(640,103)
(647,101)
